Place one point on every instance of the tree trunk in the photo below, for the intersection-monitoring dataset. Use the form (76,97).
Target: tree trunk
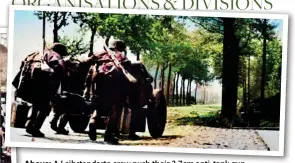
(55,36)
(93,32)
(168,82)
(176,87)
(245,93)
(156,76)
(162,78)
(55,27)
(263,59)
(190,91)
(107,40)
(137,56)
(44,28)
(230,69)
(173,92)
(196,92)
(244,84)
(161,75)
(187,92)
(43,31)
(180,93)
(183,91)
(249,78)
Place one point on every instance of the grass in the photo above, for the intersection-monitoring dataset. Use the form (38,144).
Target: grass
(265,123)
(201,115)
(188,115)
(207,115)
(173,129)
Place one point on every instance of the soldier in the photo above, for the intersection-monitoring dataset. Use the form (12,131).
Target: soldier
(105,82)
(41,109)
(112,130)
(132,95)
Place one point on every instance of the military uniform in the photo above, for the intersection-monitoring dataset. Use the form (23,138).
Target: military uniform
(103,98)
(41,109)
(128,98)
(59,112)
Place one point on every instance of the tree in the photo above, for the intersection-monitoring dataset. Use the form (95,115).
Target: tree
(230,68)
(59,19)
(273,68)
(132,29)
(175,83)
(156,76)
(165,47)
(91,21)
(74,46)
(267,33)
(236,35)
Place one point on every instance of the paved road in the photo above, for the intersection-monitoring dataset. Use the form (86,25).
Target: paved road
(270,138)
(20,135)
(174,136)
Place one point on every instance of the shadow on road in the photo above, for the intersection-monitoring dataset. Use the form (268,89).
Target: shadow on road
(145,140)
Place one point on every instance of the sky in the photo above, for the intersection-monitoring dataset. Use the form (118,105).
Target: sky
(28,37)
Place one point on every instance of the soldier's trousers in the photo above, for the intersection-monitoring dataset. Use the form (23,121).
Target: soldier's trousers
(111,122)
(112,116)
(59,115)
(134,106)
(38,116)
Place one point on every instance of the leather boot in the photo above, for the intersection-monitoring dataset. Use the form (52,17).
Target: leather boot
(62,124)
(109,133)
(133,136)
(30,127)
(31,121)
(38,124)
(92,126)
(111,139)
(92,131)
(53,122)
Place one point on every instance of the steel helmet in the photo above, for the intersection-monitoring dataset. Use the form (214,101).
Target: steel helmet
(117,45)
(60,49)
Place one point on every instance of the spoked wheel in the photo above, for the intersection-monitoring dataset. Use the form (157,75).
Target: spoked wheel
(157,114)
(79,123)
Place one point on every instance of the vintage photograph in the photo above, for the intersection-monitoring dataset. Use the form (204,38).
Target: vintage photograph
(5,151)
(88,79)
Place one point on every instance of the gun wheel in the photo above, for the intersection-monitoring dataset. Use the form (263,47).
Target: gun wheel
(157,114)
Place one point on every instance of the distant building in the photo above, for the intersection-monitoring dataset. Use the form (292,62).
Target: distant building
(210,94)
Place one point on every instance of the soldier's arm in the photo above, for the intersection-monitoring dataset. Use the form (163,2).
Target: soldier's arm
(88,82)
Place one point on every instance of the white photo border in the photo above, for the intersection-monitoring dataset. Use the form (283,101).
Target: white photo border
(280,152)
(13,155)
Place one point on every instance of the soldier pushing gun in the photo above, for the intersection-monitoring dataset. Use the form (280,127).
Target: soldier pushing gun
(114,64)
(37,83)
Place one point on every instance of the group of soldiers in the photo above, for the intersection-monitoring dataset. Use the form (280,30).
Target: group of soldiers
(54,58)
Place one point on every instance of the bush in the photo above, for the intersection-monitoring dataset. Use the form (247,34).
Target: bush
(212,119)
(269,124)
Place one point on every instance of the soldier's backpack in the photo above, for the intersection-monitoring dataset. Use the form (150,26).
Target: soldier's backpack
(32,82)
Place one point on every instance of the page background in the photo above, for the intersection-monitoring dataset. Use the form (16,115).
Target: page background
(279,6)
